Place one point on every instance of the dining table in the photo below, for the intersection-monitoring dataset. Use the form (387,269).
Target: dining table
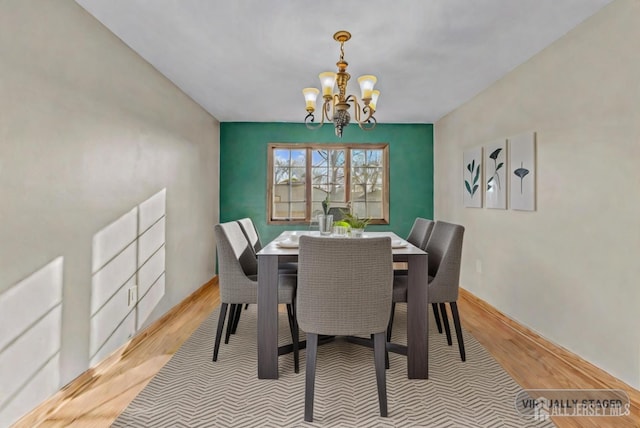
(282,249)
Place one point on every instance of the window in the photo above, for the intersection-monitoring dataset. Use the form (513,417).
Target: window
(302,176)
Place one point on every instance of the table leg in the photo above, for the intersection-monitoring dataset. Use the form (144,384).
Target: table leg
(267,317)
(417,318)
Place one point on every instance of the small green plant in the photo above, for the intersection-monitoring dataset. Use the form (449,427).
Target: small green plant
(325,205)
(354,221)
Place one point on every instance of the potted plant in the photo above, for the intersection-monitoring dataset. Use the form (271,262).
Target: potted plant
(356,223)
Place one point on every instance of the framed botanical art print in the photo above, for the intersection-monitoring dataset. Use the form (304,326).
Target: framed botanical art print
(495,174)
(522,171)
(472,177)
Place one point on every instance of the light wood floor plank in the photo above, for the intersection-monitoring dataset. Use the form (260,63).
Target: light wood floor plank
(96,398)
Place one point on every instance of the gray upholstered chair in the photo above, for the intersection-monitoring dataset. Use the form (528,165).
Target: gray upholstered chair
(420,232)
(253,238)
(251,233)
(344,288)
(237,268)
(445,253)
(418,236)
(337,213)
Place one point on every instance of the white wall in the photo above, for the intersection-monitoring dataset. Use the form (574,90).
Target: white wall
(571,269)
(88,131)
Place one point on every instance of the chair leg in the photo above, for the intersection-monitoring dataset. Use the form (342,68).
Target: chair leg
(390,326)
(232,317)
(236,318)
(246,306)
(310,378)
(221,317)
(379,350)
(456,323)
(445,321)
(436,314)
(293,326)
(389,331)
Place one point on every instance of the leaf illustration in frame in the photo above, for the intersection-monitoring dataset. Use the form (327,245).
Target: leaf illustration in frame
(495,174)
(472,177)
(522,171)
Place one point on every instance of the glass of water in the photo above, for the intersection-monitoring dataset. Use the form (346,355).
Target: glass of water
(325,224)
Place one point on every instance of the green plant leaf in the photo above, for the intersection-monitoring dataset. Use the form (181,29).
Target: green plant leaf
(477,176)
(474,189)
(495,153)
(466,184)
(500,165)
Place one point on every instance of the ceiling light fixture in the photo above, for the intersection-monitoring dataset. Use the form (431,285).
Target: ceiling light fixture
(336,105)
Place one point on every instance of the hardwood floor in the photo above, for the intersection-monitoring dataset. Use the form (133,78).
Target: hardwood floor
(97,397)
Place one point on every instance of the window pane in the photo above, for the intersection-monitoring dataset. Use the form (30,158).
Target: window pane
(374,210)
(374,195)
(374,157)
(316,208)
(320,176)
(282,156)
(298,210)
(319,158)
(280,210)
(297,175)
(298,157)
(359,208)
(318,194)
(357,158)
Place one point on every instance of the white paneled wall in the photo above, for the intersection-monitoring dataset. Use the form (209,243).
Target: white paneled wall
(128,275)
(30,325)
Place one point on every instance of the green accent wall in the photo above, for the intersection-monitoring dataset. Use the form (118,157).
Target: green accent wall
(243,169)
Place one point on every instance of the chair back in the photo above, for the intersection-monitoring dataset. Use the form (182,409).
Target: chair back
(237,265)
(420,232)
(344,285)
(445,255)
(337,213)
(251,233)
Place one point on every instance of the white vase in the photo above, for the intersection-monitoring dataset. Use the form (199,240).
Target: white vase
(357,233)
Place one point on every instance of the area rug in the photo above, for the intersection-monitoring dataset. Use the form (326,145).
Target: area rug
(193,391)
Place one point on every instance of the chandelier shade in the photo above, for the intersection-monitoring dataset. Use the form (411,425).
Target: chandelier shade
(336,105)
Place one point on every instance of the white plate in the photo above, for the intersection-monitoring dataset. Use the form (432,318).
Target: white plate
(287,244)
(396,243)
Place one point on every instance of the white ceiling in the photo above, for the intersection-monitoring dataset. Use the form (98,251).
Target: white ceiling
(248,60)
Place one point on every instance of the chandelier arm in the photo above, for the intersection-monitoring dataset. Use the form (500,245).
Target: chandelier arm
(365,123)
(309,122)
(356,107)
(369,124)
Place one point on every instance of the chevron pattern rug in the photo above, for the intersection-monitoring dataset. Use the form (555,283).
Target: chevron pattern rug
(193,391)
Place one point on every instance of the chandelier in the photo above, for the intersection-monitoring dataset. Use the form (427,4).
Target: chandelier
(335,107)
